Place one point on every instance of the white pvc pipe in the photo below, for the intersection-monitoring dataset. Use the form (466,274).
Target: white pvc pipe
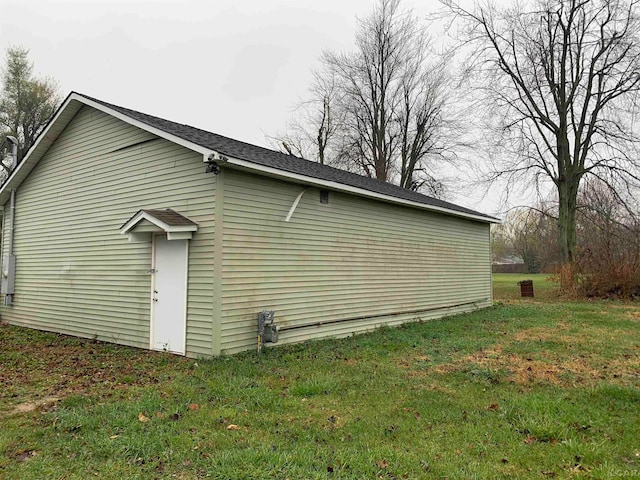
(295,204)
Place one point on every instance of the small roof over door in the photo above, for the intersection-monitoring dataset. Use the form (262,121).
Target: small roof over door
(145,222)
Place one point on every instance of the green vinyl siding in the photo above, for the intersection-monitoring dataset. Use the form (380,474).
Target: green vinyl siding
(75,273)
(352,264)
(336,269)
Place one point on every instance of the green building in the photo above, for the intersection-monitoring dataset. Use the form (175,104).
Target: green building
(132,229)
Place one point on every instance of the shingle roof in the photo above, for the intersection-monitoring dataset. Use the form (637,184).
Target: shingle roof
(167,219)
(280,161)
(170,217)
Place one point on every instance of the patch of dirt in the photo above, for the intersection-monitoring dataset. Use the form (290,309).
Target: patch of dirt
(23,455)
(43,404)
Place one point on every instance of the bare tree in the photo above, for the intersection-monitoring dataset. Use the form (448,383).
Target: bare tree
(527,233)
(26,103)
(561,79)
(314,131)
(425,129)
(609,238)
(380,110)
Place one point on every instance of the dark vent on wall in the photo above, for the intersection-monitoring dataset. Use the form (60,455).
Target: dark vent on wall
(324,196)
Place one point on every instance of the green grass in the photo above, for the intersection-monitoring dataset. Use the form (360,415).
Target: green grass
(505,285)
(526,389)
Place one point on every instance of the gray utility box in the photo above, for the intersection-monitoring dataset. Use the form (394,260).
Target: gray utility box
(267,328)
(8,275)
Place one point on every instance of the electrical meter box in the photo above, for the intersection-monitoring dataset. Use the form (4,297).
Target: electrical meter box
(7,286)
(267,328)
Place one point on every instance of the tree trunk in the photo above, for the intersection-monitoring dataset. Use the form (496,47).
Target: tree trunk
(567,197)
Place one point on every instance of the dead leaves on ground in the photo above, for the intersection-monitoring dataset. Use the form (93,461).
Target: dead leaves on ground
(143,418)
(58,366)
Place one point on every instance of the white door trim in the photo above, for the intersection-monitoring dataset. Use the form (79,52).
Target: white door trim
(183,347)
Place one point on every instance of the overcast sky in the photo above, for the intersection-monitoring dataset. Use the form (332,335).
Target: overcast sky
(231,67)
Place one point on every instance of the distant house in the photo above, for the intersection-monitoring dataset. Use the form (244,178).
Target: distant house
(136,230)
(509,264)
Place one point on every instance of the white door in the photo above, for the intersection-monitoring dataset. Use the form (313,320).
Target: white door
(169,295)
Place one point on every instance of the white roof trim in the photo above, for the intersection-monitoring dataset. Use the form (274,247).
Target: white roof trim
(142,215)
(26,163)
(68,109)
(136,123)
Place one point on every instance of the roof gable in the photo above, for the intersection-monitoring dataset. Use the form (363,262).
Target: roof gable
(169,221)
(236,154)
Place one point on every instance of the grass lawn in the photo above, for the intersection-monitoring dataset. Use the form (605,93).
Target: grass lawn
(526,389)
(505,286)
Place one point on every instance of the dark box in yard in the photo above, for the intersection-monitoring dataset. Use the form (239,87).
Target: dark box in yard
(526,288)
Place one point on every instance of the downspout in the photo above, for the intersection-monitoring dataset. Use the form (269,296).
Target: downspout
(8,268)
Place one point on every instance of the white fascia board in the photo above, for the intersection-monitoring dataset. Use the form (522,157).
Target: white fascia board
(67,109)
(130,225)
(274,172)
(179,235)
(156,131)
(29,159)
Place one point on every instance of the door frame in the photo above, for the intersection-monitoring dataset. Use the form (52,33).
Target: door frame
(154,236)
